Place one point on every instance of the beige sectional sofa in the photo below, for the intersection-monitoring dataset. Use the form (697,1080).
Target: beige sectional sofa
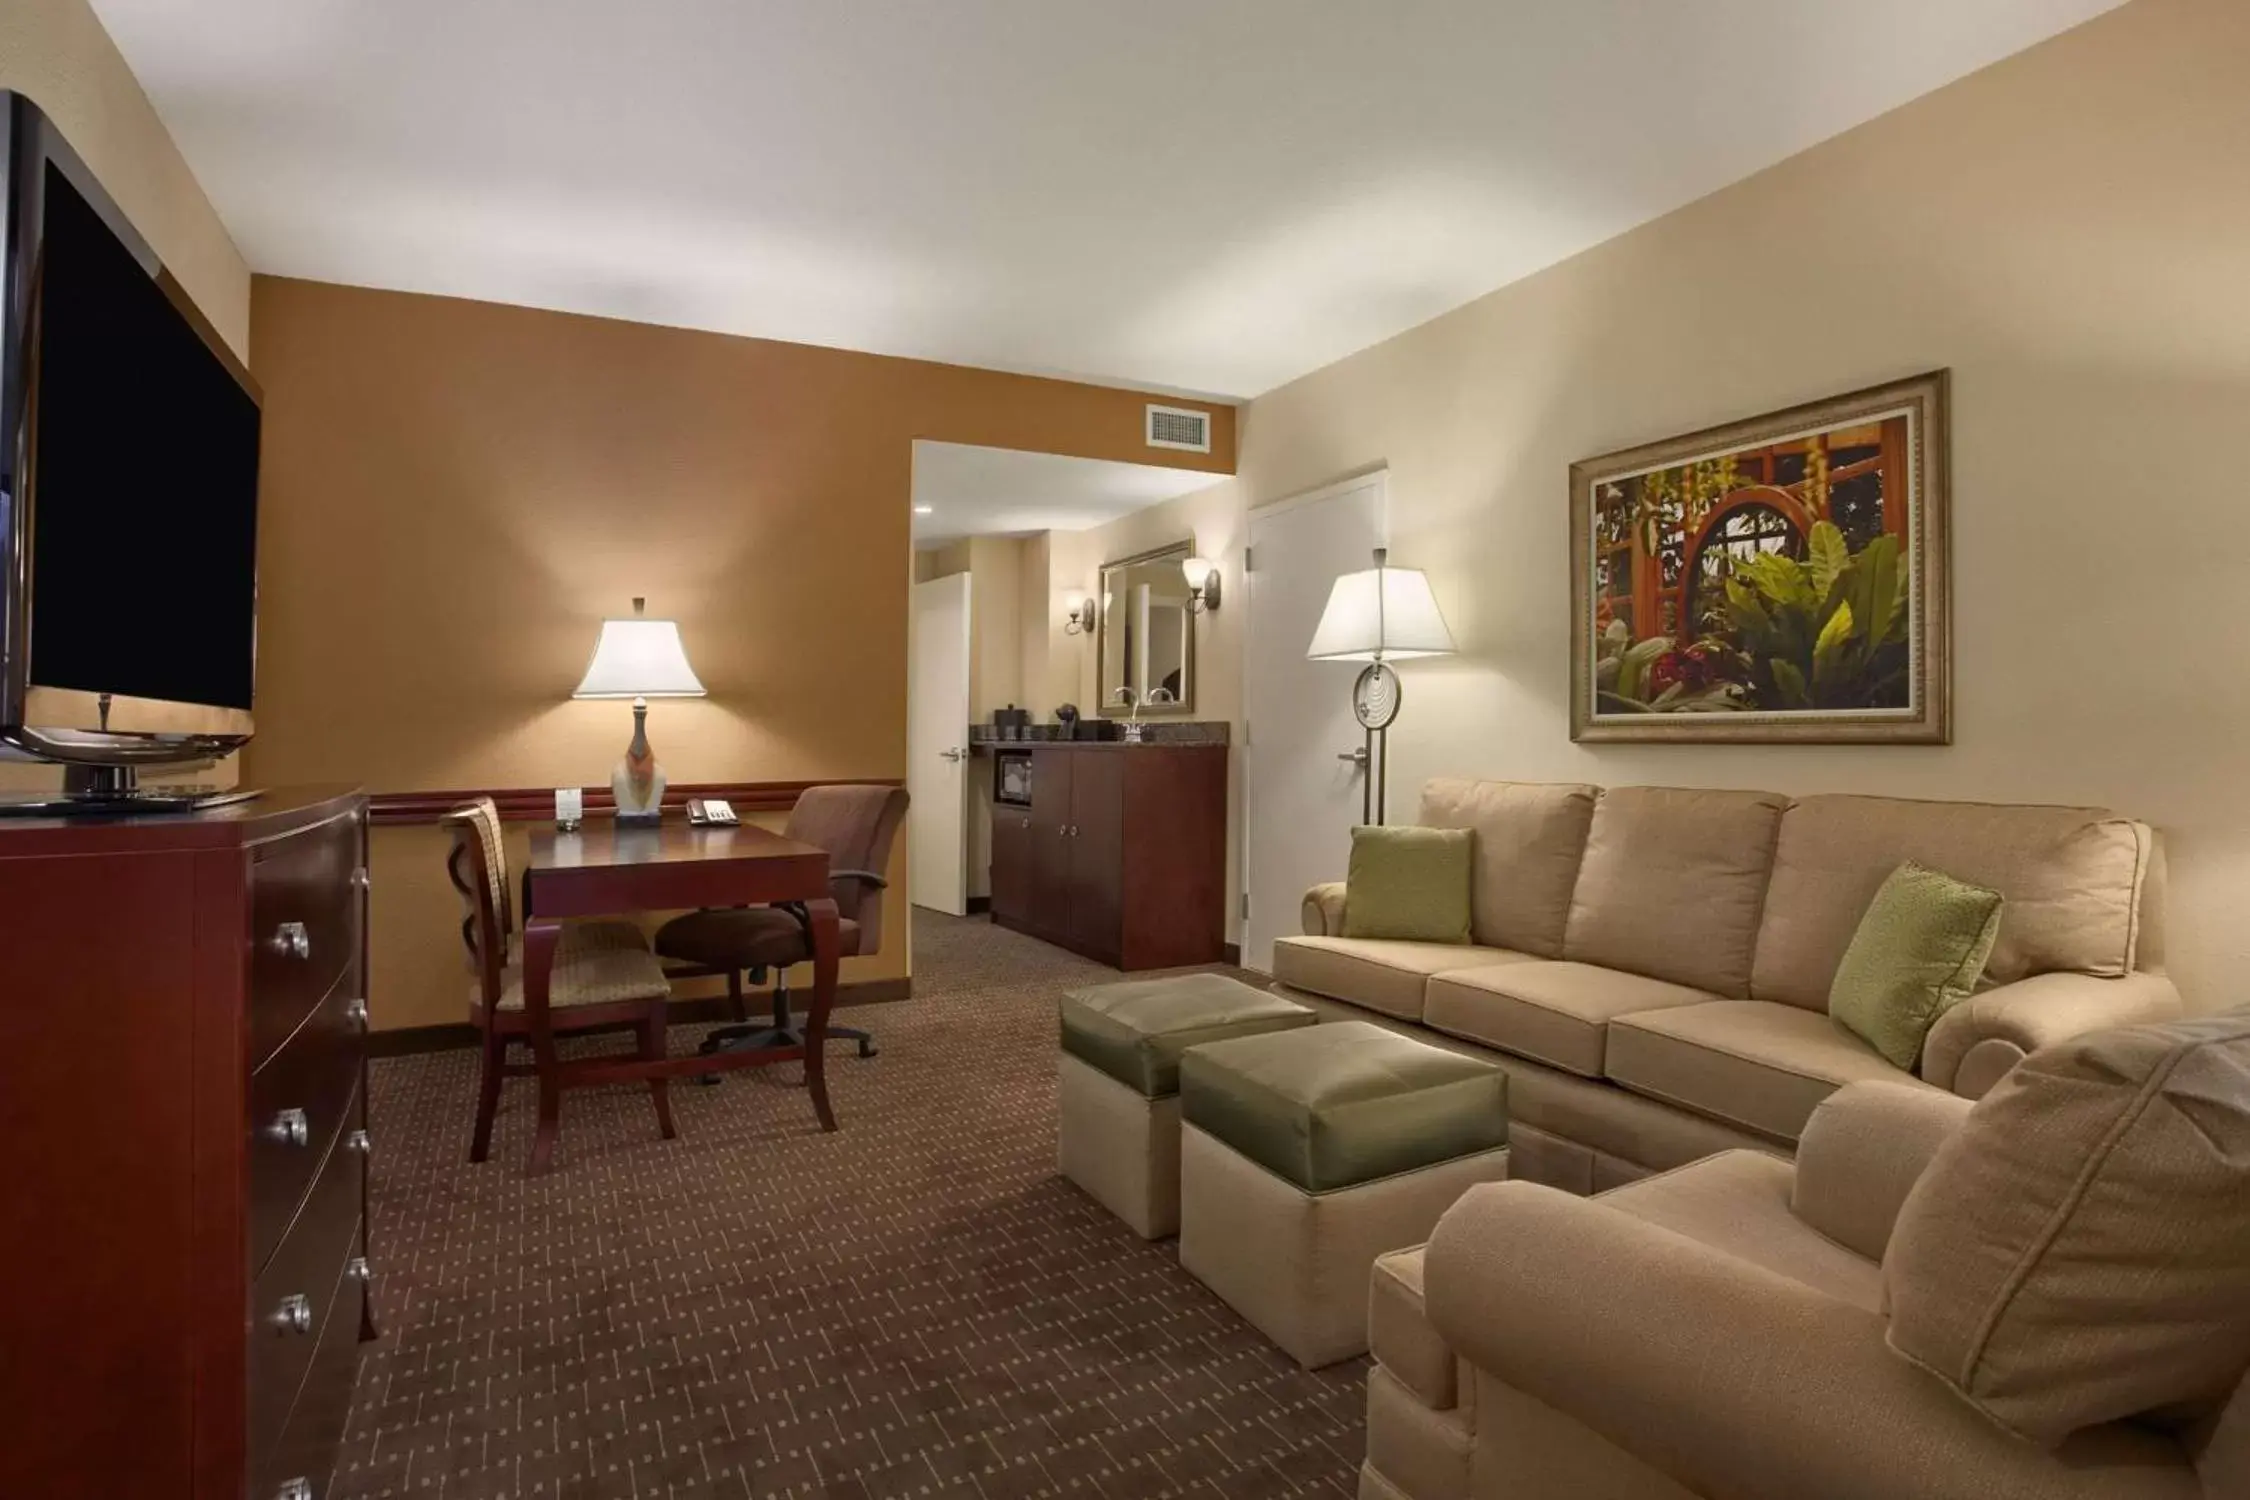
(1651,965)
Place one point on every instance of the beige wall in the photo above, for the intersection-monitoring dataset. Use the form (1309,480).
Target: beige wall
(56,52)
(1211,521)
(1039,613)
(2069,232)
(456,493)
(996,630)
(995,567)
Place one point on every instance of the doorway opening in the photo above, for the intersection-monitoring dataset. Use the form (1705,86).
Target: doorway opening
(1003,651)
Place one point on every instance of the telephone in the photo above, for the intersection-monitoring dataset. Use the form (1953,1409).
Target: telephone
(710,812)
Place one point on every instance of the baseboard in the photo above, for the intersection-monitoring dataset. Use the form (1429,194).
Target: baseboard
(979,905)
(406,1041)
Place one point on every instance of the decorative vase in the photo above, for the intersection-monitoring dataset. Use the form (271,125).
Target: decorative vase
(637,783)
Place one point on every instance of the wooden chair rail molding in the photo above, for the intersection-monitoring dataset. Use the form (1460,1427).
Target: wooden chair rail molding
(526,804)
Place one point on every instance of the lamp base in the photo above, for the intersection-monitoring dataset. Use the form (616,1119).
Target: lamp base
(636,784)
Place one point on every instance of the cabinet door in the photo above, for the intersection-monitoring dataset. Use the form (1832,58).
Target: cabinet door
(1012,878)
(1049,902)
(1097,853)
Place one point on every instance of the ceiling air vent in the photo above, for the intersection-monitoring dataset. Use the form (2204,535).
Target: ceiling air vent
(1178,427)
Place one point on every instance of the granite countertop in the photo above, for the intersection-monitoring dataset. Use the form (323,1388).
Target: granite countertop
(983,737)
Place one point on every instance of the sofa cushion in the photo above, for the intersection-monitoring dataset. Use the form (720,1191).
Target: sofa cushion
(1556,1013)
(2075,1254)
(1918,952)
(1399,1334)
(1136,1031)
(1376,973)
(2073,879)
(1672,884)
(1530,836)
(1762,1066)
(1738,1201)
(1410,883)
(1327,1107)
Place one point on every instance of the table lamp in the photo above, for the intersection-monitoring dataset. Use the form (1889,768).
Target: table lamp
(639,659)
(1380,615)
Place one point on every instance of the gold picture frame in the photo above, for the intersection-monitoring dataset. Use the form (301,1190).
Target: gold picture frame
(1780,580)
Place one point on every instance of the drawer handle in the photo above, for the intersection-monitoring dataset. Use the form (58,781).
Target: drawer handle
(360,1141)
(359,1270)
(294,1489)
(361,880)
(289,1128)
(355,1011)
(291,940)
(294,1315)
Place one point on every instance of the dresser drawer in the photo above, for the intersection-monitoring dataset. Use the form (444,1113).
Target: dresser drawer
(306,1449)
(304,925)
(295,1298)
(299,1099)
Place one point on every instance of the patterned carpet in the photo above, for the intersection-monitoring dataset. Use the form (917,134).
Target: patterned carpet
(915,1306)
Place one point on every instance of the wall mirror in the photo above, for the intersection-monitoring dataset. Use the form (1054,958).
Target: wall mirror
(1145,635)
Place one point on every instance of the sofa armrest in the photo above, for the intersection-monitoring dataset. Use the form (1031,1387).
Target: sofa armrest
(1737,1382)
(1974,1044)
(1324,910)
(1862,1152)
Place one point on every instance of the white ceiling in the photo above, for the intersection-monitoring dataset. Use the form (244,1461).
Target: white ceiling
(1205,195)
(999,491)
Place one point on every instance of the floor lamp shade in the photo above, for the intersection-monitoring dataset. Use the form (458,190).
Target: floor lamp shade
(1381,614)
(639,659)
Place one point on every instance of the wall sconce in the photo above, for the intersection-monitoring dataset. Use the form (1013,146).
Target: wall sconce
(1203,583)
(1078,617)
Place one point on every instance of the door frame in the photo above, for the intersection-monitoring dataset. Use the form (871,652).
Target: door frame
(1380,476)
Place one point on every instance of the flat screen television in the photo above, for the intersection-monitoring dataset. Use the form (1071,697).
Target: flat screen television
(128,487)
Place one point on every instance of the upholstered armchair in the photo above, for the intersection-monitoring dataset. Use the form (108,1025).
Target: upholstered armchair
(2045,1296)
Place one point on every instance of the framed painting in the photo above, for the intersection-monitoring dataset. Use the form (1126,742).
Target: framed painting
(1780,579)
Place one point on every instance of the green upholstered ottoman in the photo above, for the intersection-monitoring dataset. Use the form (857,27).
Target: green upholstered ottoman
(1305,1155)
(1119,1083)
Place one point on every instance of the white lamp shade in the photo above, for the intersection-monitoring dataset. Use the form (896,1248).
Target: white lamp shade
(1381,612)
(1197,571)
(639,659)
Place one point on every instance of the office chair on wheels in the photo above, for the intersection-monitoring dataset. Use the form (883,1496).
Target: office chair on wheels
(856,825)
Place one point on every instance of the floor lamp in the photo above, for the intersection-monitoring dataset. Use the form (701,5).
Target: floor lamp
(1380,615)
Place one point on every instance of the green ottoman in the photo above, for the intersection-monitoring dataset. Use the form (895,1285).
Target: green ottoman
(1304,1156)
(1119,1083)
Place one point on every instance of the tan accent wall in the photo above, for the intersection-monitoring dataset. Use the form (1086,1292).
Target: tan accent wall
(2067,232)
(56,52)
(456,493)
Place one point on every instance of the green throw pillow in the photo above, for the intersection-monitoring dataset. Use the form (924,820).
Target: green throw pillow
(1919,951)
(1409,883)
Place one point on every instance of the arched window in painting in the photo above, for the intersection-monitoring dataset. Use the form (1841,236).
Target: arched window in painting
(1739,531)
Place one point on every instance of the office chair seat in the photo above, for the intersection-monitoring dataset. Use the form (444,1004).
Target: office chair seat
(747,937)
(854,823)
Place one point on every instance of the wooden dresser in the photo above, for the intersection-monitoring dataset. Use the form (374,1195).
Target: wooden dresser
(183,1146)
(1122,854)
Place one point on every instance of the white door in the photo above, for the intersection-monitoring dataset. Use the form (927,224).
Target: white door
(937,739)
(1301,788)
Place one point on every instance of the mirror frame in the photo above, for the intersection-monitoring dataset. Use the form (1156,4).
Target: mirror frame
(1176,552)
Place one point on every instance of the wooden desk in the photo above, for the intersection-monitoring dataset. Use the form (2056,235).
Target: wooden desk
(605,870)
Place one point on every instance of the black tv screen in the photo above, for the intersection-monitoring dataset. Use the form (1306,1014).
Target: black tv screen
(144,503)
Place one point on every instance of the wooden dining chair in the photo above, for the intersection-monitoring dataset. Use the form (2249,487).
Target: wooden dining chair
(604,976)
